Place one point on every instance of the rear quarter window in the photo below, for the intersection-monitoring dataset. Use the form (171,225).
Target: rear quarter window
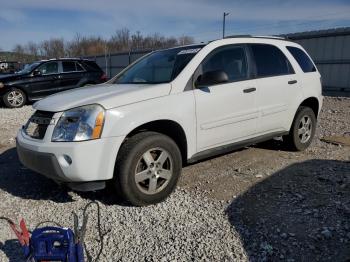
(91,66)
(302,58)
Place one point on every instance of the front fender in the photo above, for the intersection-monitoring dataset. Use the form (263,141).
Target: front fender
(179,108)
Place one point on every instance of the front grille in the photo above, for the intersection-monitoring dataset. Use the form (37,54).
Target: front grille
(37,124)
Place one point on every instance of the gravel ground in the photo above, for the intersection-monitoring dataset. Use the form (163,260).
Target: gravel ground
(259,204)
(10,121)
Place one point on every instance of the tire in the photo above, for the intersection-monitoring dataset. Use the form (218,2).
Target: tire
(141,176)
(14,98)
(302,131)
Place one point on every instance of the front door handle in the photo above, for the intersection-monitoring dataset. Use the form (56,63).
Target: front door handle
(249,90)
(292,82)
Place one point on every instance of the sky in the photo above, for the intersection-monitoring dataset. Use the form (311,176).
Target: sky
(36,20)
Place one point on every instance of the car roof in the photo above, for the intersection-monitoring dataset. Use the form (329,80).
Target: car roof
(64,59)
(249,38)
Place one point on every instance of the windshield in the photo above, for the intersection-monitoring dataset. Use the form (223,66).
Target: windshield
(159,67)
(28,68)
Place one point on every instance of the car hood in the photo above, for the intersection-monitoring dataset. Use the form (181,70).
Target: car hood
(10,77)
(107,95)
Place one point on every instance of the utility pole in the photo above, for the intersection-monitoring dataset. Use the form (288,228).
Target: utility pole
(223,24)
(106,63)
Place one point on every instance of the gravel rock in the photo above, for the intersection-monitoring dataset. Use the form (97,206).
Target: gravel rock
(299,209)
(11,120)
(326,233)
(184,227)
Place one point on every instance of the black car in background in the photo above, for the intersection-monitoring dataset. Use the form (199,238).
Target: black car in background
(43,78)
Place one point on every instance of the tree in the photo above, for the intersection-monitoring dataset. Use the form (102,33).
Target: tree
(53,48)
(80,46)
(32,49)
(120,41)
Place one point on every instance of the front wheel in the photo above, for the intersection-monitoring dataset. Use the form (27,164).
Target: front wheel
(147,168)
(302,131)
(14,98)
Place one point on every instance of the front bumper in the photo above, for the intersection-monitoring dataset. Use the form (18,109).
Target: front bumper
(84,161)
(42,163)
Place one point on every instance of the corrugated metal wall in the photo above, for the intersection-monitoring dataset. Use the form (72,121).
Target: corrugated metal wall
(112,64)
(330,49)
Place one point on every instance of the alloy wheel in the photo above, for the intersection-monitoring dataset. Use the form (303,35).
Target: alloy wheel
(154,171)
(15,98)
(305,129)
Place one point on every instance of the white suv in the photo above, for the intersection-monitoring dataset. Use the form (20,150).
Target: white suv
(172,107)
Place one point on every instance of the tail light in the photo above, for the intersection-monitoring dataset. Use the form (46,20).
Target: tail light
(103,77)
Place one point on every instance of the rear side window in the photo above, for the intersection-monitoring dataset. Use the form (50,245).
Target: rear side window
(302,58)
(232,60)
(68,66)
(270,61)
(71,66)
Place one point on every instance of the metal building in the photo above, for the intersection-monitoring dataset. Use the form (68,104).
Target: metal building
(330,49)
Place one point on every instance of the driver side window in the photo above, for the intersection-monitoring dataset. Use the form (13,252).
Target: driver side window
(231,59)
(48,68)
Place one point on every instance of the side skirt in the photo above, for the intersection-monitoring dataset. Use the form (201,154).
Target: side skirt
(231,147)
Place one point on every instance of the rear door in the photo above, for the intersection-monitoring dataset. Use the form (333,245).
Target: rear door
(226,112)
(47,82)
(277,87)
(72,75)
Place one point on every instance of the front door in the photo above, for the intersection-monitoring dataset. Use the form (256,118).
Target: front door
(226,113)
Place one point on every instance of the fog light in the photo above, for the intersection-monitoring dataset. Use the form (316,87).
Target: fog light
(1,85)
(68,159)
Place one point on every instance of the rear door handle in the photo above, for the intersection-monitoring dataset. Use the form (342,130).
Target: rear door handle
(292,82)
(249,90)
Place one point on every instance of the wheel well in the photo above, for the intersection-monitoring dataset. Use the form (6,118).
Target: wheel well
(166,127)
(311,102)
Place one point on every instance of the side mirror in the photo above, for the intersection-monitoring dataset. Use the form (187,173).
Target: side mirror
(36,73)
(211,78)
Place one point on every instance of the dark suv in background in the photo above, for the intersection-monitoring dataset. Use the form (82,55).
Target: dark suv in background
(43,78)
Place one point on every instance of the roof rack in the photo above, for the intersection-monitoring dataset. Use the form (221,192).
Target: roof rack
(256,36)
(270,37)
(65,58)
(237,36)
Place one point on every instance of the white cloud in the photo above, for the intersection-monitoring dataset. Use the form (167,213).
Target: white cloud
(201,18)
(249,10)
(12,15)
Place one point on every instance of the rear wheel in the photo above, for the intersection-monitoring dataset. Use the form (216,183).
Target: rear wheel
(147,168)
(303,129)
(14,98)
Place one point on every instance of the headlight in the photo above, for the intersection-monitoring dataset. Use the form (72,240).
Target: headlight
(1,85)
(79,124)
